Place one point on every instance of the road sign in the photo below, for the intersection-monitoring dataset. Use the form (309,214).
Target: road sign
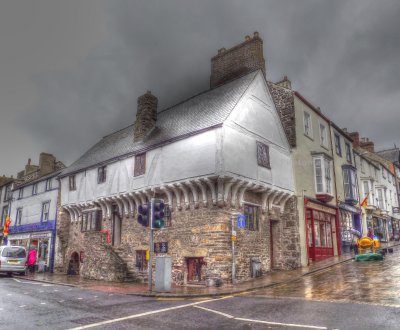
(241,221)
(161,247)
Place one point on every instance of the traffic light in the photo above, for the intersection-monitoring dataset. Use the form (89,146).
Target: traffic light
(157,221)
(143,214)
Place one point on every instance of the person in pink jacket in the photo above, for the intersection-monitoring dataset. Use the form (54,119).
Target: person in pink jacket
(31,260)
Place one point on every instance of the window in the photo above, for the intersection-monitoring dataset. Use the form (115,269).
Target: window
(1,190)
(380,199)
(21,193)
(389,177)
(323,136)
(338,147)
(263,155)
(18,218)
(140,165)
(6,193)
(350,185)
(91,221)
(48,184)
(101,174)
(307,124)
(34,189)
(322,171)
(348,152)
(383,173)
(362,165)
(251,214)
(4,214)
(366,188)
(72,183)
(45,211)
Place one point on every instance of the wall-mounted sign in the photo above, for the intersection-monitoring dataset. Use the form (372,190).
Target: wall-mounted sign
(396,210)
(161,247)
(241,221)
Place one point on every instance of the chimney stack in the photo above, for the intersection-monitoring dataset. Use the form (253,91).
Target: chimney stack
(47,163)
(230,64)
(146,115)
(364,142)
(356,139)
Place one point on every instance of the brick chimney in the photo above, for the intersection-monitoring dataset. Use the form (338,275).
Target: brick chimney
(356,139)
(146,115)
(47,163)
(29,168)
(237,61)
(366,144)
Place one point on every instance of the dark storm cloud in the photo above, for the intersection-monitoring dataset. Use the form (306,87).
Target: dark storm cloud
(342,55)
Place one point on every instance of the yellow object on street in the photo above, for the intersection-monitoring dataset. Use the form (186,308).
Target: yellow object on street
(365,243)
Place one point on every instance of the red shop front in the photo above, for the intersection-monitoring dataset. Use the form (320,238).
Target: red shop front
(320,227)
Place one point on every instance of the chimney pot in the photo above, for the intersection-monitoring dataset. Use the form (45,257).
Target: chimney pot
(256,34)
(247,38)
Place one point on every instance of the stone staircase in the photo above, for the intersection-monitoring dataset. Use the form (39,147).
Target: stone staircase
(132,274)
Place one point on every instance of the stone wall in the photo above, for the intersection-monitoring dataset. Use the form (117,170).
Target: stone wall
(284,102)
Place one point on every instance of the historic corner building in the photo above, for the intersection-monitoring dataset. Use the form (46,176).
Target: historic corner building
(33,209)
(217,154)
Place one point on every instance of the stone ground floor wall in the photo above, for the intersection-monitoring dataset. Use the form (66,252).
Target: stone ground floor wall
(203,232)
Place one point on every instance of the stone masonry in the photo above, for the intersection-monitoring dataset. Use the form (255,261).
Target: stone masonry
(146,115)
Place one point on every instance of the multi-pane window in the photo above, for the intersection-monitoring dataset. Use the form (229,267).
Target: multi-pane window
(18,217)
(338,147)
(34,189)
(91,221)
(1,190)
(348,152)
(362,166)
(7,193)
(323,135)
(307,124)
(4,214)
(350,184)
(45,211)
(251,213)
(263,155)
(383,173)
(101,174)
(140,165)
(48,184)
(72,182)
(323,179)
(365,188)
(21,193)
(381,203)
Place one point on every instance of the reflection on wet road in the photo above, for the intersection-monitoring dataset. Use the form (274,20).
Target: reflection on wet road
(370,282)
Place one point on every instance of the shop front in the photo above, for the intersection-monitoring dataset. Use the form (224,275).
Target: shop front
(379,224)
(42,241)
(320,227)
(350,226)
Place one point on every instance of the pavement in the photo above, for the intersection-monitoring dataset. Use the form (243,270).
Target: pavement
(190,291)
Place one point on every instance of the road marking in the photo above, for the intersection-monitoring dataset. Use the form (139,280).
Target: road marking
(43,303)
(1,309)
(9,294)
(60,301)
(216,312)
(41,291)
(26,292)
(55,290)
(182,299)
(80,298)
(282,324)
(22,306)
(145,314)
(95,296)
(48,285)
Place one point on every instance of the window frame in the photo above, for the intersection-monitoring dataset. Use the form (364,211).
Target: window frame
(307,123)
(18,216)
(43,218)
(338,146)
(253,223)
(348,152)
(101,174)
(72,182)
(48,184)
(350,187)
(21,193)
(323,134)
(140,165)
(6,193)
(91,221)
(34,189)
(325,175)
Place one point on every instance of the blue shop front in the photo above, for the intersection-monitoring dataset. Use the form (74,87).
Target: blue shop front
(350,226)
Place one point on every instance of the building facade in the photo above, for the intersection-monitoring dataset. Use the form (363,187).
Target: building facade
(6,185)
(217,155)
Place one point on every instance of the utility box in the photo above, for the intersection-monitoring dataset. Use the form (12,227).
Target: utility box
(163,274)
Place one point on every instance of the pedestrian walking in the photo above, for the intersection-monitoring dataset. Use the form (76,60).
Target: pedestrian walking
(31,260)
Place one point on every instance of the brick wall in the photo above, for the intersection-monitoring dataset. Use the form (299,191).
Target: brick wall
(237,61)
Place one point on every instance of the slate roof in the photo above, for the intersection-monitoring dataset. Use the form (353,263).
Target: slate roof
(392,154)
(200,112)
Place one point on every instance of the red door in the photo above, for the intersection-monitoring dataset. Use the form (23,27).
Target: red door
(194,269)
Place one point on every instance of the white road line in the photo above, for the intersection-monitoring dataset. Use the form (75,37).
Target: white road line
(60,301)
(43,303)
(22,306)
(16,280)
(216,312)
(41,291)
(9,294)
(1,309)
(48,285)
(95,296)
(282,324)
(80,298)
(55,290)
(144,314)
(26,292)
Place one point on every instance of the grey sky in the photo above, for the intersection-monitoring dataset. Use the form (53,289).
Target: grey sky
(71,71)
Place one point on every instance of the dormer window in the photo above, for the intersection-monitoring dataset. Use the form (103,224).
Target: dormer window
(140,164)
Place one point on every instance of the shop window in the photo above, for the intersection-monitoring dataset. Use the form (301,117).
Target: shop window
(48,184)
(350,184)
(91,221)
(72,182)
(45,211)
(18,217)
(101,174)
(140,164)
(251,213)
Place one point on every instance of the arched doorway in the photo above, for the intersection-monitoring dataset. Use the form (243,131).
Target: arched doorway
(75,262)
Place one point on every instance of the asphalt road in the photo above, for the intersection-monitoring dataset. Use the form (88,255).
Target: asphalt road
(347,296)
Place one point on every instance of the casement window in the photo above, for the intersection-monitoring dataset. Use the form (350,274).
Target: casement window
(263,155)
(7,193)
(72,182)
(323,135)
(140,164)
(101,174)
(348,152)
(366,189)
(48,184)
(1,190)
(251,213)
(21,193)
(322,173)
(362,165)
(34,189)
(91,221)
(4,215)
(383,173)
(18,217)
(307,124)
(350,184)
(45,211)
(381,203)
(338,147)
(389,177)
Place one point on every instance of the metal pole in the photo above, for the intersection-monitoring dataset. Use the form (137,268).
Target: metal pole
(233,249)
(151,247)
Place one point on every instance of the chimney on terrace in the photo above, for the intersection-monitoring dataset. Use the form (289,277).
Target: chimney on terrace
(237,61)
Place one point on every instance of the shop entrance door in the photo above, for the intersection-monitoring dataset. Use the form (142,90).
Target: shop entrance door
(194,269)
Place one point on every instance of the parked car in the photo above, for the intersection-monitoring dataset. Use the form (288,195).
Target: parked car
(13,259)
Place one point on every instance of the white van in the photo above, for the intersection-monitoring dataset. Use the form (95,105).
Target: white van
(13,259)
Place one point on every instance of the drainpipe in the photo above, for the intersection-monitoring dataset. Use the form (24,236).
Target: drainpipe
(336,197)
